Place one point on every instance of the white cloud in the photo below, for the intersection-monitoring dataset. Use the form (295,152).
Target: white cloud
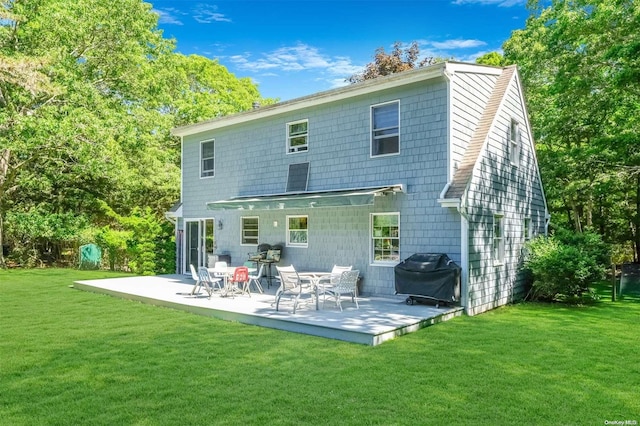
(499,3)
(300,57)
(457,44)
(206,14)
(169,16)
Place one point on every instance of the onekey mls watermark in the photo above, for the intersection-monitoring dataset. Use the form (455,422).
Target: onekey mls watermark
(621,422)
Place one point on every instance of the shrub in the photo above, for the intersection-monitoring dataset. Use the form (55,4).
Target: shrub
(563,266)
(142,241)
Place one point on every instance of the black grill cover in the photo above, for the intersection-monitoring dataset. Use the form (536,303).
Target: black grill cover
(431,275)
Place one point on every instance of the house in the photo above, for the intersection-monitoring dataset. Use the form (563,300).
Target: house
(438,159)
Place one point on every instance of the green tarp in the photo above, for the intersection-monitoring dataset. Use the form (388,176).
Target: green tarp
(90,256)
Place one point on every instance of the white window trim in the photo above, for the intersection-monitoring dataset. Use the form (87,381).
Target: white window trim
(302,148)
(289,243)
(515,142)
(372,261)
(242,218)
(497,261)
(371,129)
(202,159)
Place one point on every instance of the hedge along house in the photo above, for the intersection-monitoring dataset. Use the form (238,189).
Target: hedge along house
(438,159)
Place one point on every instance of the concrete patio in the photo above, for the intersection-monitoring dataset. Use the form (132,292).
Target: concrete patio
(378,319)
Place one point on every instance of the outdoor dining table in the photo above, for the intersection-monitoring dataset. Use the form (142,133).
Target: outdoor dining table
(228,273)
(315,278)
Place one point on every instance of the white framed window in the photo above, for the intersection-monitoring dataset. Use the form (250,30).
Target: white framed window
(207,158)
(297,136)
(514,142)
(385,129)
(297,231)
(385,238)
(250,228)
(498,239)
(526,229)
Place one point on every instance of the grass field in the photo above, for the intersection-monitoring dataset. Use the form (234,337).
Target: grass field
(69,357)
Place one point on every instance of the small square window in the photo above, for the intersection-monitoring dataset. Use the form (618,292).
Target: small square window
(385,129)
(298,136)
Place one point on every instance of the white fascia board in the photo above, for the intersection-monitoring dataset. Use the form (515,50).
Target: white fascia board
(462,67)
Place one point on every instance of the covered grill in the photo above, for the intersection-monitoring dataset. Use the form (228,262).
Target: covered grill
(428,276)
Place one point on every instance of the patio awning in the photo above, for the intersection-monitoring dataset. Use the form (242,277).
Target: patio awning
(309,199)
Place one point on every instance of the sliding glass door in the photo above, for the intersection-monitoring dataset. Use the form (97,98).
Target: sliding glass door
(199,242)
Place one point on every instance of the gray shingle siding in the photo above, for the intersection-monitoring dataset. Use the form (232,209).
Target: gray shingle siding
(498,187)
(251,159)
(439,116)
(470,94)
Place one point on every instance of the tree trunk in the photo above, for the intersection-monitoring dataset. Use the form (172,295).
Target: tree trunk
(4,168)
(636,221)
(576,216)
(2,262)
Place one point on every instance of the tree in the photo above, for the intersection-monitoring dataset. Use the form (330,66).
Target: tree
(580,68)
(89,91)
(390,63)
(492,58)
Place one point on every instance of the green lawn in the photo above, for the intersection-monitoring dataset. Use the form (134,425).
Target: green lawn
(70,357)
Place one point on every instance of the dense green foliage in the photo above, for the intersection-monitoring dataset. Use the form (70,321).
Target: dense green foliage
(89,91)
(580,66)
(565,265)
(92,359)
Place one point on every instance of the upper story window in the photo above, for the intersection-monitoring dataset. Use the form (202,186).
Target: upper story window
(250,228)
(207,164)
(514,142)
(385,238)
(298,136)
(498,239)
(385,129)
(297,231)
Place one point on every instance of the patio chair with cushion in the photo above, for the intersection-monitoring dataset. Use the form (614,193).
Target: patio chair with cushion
(346,284)
(290,285)
(207,282)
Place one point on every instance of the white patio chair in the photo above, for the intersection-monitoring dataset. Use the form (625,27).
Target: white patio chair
(346,284)
(336,271)
(255,279)
(198,284)
(289,285)
(207,282)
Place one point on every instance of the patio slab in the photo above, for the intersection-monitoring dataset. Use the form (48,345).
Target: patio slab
(379,319)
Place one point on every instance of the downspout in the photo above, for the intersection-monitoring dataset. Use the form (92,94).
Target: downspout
(464,257)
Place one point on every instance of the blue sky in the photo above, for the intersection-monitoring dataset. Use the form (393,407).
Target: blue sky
(293,48)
